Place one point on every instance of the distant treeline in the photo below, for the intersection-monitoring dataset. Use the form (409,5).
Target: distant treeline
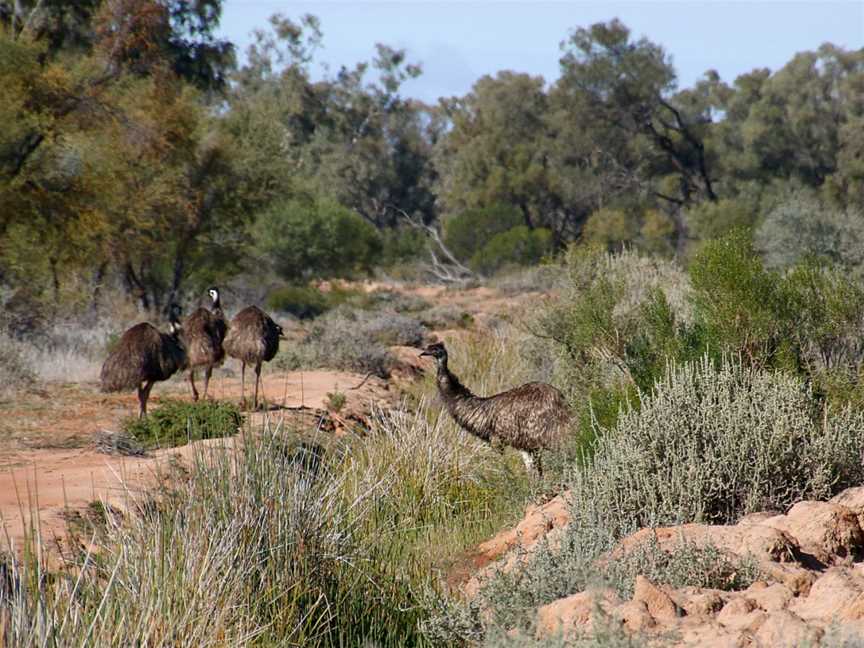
(135,152)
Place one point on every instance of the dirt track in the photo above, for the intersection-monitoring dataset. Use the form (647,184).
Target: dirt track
(48,462)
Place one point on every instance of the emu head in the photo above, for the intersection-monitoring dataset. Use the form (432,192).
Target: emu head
(436,350)
(174,319)
(280,332)
(214,295)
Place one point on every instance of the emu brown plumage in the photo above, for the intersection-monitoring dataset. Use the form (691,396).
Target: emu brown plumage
(143,356)
(253,338)
(529,418)
(203,335)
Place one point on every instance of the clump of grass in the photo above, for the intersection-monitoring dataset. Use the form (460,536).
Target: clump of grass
(335,401)
(176,423)
(446,316)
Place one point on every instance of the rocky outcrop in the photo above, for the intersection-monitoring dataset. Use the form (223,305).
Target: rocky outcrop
(812,580)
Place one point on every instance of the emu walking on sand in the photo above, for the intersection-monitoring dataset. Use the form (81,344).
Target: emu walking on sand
(529,418)
(203,334)
(143,356)
(253,338)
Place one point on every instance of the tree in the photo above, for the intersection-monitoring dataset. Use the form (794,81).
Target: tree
(494,150)
(629,87)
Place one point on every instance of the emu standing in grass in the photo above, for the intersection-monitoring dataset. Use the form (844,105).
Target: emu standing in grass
(253,338)
(529,418)
(143,356)
(203,334)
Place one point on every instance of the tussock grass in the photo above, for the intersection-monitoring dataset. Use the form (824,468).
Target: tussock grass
(264,544)
(177,422)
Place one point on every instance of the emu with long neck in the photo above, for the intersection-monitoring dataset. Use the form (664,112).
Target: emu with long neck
(528,418)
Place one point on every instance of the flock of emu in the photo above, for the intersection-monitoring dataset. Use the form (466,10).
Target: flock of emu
(144,355)
(529,418)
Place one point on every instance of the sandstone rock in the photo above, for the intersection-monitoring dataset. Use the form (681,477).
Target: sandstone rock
(769,597)
(823,529)
(634,616)
(660,606)
(700,602)
(783,629)
(741,613)
(708,634)
(836,590)
(573,614)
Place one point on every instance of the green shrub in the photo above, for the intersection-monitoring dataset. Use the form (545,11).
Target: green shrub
(739,302)
(176,423)
(711,220)
(518,246)
(466,233)
(311,238)
(612,229)
(304,302)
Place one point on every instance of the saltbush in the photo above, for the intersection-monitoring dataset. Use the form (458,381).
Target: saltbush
(176,423)
(709,444)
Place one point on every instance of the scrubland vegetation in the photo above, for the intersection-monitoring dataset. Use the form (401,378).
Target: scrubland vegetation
(695,259)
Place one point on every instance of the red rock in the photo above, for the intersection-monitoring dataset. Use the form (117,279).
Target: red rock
(659,604)
(769,597)
(824,529)
(573,614)
(634,616)
(782,629)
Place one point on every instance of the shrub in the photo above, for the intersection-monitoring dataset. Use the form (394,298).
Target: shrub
(739,302)
(466,233)
(176,423)
(708,445)
(711,220)
(518,246)
(15,371)
(802,227)
(611,229)
(306,238)
(354,340)
(304,302)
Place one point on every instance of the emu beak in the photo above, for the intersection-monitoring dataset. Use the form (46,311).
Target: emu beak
(424,353)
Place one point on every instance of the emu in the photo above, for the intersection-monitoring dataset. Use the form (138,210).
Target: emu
(253,338)
(143,356)
(203,335)
(529,418)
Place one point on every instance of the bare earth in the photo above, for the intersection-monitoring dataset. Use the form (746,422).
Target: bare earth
(48,462)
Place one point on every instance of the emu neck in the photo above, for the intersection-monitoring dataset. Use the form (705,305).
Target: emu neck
(460,401)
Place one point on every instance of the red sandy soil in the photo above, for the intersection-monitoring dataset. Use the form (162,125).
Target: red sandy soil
(48,461)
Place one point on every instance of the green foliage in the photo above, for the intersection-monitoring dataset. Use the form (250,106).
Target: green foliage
(611,228)
(737,300)
(309,301)
(176,423)
(710,220)
(518,246)
(302,238)
(466,233)
(802,228)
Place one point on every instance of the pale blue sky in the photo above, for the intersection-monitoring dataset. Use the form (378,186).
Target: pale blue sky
(459,41)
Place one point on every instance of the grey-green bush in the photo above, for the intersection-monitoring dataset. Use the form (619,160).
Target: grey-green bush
(709,445)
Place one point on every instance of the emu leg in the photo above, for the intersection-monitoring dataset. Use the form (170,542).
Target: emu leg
(143,395)
(257,380)
(532,462)
(242,384)
(207,373)
(192,382)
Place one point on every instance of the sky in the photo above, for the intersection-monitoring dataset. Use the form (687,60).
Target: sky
(457,42)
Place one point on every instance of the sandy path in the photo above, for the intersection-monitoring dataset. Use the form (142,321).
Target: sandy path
(55,479)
